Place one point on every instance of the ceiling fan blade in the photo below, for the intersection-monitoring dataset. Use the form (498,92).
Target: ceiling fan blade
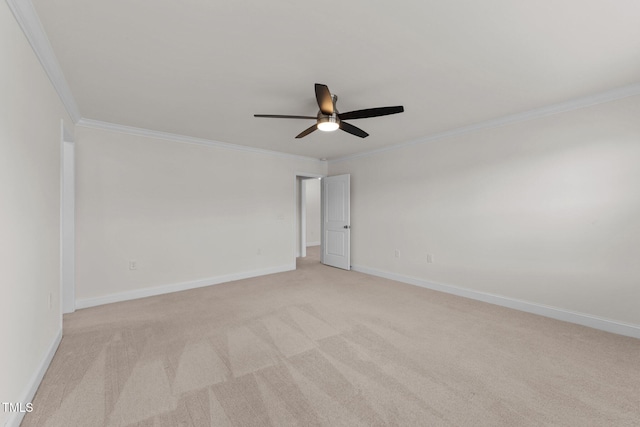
(323,96)
(280,116)
(353,130)
(371,112)
(307,131)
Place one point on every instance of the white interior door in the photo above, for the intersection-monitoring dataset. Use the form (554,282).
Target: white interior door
(336,226)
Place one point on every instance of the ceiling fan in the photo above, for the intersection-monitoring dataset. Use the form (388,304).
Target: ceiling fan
(329,119)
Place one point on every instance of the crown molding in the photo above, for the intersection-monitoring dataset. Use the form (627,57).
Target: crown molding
(574,104)
(27,18)
(131,130)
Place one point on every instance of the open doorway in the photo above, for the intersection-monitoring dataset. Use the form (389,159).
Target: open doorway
(308,222)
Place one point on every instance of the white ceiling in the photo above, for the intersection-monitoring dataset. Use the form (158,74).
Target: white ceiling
(202,68)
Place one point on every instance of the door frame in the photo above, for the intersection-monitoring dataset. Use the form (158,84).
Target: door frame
(67,221)
(299,210)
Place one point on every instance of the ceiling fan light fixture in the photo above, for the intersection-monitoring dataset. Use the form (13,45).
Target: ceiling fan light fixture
(328,124)
(329,119)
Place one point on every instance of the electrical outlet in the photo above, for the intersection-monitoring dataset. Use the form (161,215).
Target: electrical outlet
(397,253)
(133,265)
(429,258)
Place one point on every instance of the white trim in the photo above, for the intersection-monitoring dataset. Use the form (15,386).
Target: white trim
(15,418)
(66,135)
(303,218)
(306,175)
(574,104)
(313,244)
(28,20)
(67,227)
(583,319)
(131,130)
(296,217)
(177,287)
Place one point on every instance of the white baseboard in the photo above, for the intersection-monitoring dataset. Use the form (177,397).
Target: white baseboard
(313,244)
(15,418)
(595,322)
(176,287)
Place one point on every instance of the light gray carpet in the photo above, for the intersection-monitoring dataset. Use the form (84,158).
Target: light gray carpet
(321,346)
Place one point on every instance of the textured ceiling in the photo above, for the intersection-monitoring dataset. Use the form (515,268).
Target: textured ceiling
(203,68)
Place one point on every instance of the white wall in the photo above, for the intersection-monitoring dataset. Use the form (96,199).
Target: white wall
(312,211)
(30,114)
(185,213)
(546,211)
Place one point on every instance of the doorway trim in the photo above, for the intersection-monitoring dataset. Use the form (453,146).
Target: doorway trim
(299,227)
(67,222)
